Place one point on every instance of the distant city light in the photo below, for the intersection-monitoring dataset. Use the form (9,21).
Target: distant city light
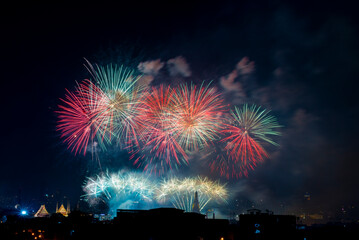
(257,231)
(23,212)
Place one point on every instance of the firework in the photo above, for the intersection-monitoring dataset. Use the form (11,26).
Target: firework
(250,127)
(196,119)
(78,122)
(98,186)
(161,151)
(121,101)
(181,192)
(121,185)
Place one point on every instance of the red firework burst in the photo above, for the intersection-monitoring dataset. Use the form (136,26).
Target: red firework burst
(250,127)
(241,147)
(196,119)
(78,121)
(160,149)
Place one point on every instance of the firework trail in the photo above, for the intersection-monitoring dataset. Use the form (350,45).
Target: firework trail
(161,126)
(250,126)
(98,186)
(196,119)
(180,192)
(121,101)
(119,186)
(161,151)
(78,122)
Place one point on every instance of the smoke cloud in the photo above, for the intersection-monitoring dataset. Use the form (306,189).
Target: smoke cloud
(178,66)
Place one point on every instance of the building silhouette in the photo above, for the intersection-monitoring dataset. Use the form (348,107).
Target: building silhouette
(258,225)
(169,223)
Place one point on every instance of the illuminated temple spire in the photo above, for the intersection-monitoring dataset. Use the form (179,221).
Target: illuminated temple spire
(42,212)
(195,205)
(68,207)
(62,210)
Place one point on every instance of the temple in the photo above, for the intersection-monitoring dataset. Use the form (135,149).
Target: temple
(42,212)
(62,209)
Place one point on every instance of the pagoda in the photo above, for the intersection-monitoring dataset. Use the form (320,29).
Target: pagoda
(42,212)
(62,210)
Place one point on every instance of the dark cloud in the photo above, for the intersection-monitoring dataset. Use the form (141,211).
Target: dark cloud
(150,69)
(232,84)
(178,66)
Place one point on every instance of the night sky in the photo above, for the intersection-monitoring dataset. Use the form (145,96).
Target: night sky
(300,60)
